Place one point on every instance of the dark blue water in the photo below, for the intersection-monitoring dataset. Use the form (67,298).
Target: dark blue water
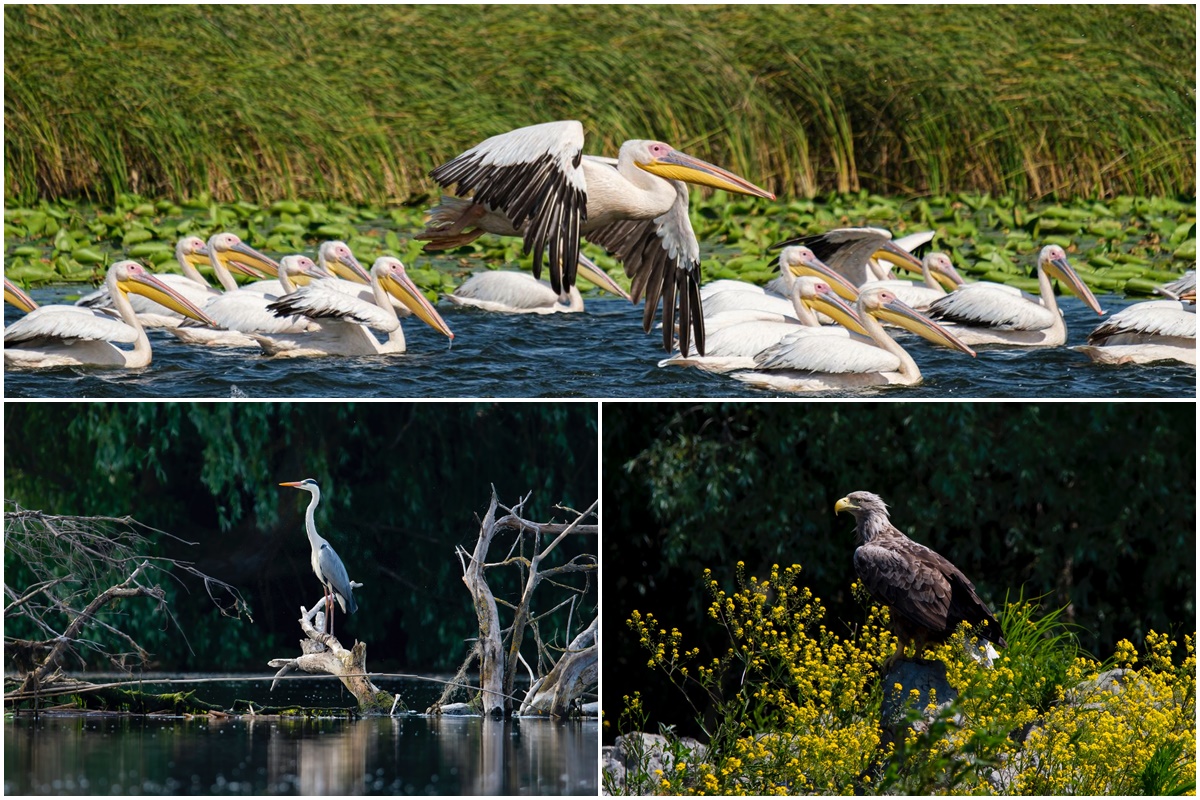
(467,756)
(600,353)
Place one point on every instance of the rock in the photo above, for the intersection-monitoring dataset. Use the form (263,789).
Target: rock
(631,763)
(922,676)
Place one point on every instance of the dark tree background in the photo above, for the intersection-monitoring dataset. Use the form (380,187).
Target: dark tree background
(1091,506)
(401,485)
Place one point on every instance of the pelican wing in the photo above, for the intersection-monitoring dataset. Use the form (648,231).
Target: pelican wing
(845,250)
(533,176)
(810,350)
(662,257)
(247,312)
(993,306)
(1152,318)
(68,323)
(319,301)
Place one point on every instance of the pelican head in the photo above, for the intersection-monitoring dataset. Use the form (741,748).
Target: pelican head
(15,296)
(942,269)
(301,269)
(394,279)
(336,257)
(1053,261)
(818,295)
(232,252)
(880,302)
(130,276)
(192,249)
(802,261)
(665,161)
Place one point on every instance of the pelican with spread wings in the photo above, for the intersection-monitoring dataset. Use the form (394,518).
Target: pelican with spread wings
(536,183)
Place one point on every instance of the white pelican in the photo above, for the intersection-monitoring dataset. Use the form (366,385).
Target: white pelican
(993,313)
(794,261)
(333,259)
(852,252)
(806,362)
(190,252)
(344,320)
(70,336)
(521,293)
(238,312)
(536,183)
(735,346)
(1156,330)
(15,296)
(939,274)
(1182,289)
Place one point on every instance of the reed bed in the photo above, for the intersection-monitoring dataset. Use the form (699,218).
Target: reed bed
(357,103)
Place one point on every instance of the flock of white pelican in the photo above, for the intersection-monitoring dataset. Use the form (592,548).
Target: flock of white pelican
(821,325)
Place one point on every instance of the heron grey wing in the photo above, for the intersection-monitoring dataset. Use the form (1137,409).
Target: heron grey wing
(662,256)
(335,575)
(533,175)
(907,581)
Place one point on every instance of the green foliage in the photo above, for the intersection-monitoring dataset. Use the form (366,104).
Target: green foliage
(796,707)
(259,102)
(401,483)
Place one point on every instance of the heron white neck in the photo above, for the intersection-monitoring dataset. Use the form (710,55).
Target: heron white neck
(310,520)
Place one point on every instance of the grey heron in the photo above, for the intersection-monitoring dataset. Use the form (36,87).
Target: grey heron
(326,564)
(536,183)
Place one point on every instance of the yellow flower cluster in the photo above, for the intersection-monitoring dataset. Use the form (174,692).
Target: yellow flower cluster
(803,716)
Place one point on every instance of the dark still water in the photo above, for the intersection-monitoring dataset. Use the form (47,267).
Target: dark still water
(599,353)
(387,755)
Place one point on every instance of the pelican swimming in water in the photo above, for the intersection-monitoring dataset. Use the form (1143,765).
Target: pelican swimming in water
(855,253)
(238,313)
(335,261)
(1156,330)
(535,182)
(909,243)
(794,261)
(344,321)
(738,337)
(190,252)
(70,336)
(521,293)
(805,362)
(938,273)
(993,313)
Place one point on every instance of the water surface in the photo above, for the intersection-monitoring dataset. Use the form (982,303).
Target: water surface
(600,353)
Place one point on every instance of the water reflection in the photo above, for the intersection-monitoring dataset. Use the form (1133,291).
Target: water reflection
(399,755)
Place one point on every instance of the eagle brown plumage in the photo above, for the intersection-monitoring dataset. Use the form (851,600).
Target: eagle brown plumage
(927,595)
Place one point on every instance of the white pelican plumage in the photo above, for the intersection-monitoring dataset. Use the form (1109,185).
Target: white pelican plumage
(15,296)
(938,273)
(190,252)
(344,321)
(854,253)
(1156,330)
(238,313)
(794,261)
(521,293)
(334,260)
(804,361)
(735,346)
(70,336)
(993,313)
(1184,288)
(536,183)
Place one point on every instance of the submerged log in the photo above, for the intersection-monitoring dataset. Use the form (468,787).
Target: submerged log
(323,654)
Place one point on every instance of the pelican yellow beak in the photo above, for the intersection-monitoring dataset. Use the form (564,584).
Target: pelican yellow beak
(842,505)
(151,287)
(248,261)
(816,268)
(1059,268)
(589,270)
(15,296)
(198,258)
(895,254)
(950,280)
(837,309)
(349,268)
(403,289)
(678,166)
(899,313)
